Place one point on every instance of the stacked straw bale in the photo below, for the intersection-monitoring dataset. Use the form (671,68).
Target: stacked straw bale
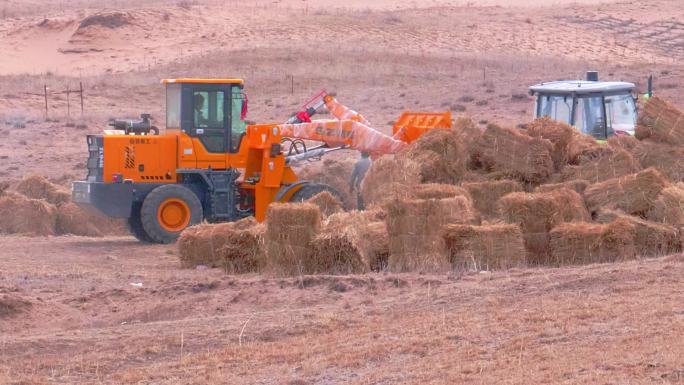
(438,191)
(414,225)
(634,194)
(665,158)
(486,194)
(516,154)
(22,215)
(539,213)
(470,133)
(37,187)
(602,165)
(662,122)
(440,155)
(351,243)
(233,246)
(584,243)
(560,134)
(484,247)
(650,239)
(577,185)
(389,178)
(625,142)
(668,208)
(290,229)
(327,203)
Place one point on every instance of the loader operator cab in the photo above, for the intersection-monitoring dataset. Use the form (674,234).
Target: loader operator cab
(599,109)
(210,110)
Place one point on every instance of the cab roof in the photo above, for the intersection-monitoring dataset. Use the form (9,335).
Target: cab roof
(581,87)
(203,81)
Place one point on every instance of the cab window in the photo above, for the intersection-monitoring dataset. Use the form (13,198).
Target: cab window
(557,107)
(238,126)
(209,121)
(173,106)
(208,111)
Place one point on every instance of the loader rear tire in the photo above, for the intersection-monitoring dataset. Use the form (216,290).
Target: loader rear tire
(309,190)
(168,210)
(135,226)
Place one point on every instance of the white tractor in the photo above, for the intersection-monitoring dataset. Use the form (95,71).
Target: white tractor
(597,108)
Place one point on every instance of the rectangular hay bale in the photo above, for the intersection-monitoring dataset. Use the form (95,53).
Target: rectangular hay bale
(484,247)
(538,213)
(650,239)
(634,194)
(585,243)
(516,154)
(414,227)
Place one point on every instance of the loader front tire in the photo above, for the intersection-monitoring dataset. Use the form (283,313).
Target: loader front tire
(135,226)
(168,210)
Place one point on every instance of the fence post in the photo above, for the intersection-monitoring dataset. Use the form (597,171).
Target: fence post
(45,89)
(68,105)
(80,86)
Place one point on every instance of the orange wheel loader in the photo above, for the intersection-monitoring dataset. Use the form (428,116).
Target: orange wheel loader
(209,165)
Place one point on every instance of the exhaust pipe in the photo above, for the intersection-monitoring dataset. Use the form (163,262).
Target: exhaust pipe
(592,76)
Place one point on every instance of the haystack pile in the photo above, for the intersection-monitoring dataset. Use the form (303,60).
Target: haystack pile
(39,207)
(548,195)
(26,216)
(37,187)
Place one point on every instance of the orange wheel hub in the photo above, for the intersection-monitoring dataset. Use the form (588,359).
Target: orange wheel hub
(173,215)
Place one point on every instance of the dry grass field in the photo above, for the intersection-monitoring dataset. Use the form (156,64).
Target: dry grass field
(78,310)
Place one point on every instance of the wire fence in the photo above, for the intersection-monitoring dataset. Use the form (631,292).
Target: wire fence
(48,92)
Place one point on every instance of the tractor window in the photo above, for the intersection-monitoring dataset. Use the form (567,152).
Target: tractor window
(173,106)
(208,111)
(208,116)
(556,107)
(238,125)
(589,116)
(621,113)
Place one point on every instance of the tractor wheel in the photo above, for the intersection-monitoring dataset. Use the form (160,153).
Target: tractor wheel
(135,225)
(309,190)
(168,210)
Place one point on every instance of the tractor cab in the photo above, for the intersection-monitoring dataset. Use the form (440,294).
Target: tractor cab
(596,108)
